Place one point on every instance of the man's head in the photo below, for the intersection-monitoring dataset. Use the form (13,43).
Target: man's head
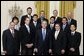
(64,20)
(44,24)
(27,20)
(55,13)
(72,27)
(29,10)
(11,25)
(69,15)
(42,14)
(52,19)
(15,20)
(57,26)
(35,17)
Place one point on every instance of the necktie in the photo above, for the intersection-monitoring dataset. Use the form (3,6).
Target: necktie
(44,34)
(13,33)
(28,29)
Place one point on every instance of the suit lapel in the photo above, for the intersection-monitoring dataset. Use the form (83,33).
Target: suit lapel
(10,33)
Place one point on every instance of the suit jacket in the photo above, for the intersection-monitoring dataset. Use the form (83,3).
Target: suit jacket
(26,37)
(50,28)
(74,41)
(10,43)
(59,20)
(59,43)
(38,26)
(67,28)
(39,20)
(73,21)
(41,45)
(23,19)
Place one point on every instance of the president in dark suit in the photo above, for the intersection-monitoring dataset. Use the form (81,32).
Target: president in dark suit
(74,39)
(27,38)
(29,11)
(11,41)
(42,43)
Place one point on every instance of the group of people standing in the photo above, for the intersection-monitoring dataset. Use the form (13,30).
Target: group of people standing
(37,36)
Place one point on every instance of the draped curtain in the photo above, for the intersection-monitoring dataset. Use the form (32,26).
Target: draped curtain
(42,5)
(66,6)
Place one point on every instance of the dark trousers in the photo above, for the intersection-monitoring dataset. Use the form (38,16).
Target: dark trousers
(27,51)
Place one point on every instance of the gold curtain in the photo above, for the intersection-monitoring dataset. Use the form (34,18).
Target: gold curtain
(66,6)
(42,5)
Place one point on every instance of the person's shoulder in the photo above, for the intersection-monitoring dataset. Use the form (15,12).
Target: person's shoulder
(6,30)
(74,20)
(24,15)
(78,33)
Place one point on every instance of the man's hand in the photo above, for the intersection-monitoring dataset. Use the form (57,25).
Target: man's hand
(72,49)
(50,50)
(35,50)
(5,52)
(29,45)
(62,51)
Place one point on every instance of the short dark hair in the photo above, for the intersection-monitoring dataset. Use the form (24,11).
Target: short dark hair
(29,8)
(58,24)
(74,25)
(64,18)
(52,17)
(15,18)
(35,15)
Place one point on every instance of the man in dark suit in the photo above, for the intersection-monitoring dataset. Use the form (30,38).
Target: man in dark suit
(29,11)
(51,25)
(11,41)
(58,41)
(42,43)
(74,39)
(64,25)
(35,25)
(42,17)
(57,19)
(70,19)
(27,38)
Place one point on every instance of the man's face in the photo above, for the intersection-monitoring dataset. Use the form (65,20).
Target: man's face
(44,24)
(35,18)
(27,21)
(57,27)
(55,13)
(15,21)
(64,21)
(42,14)
(52,20)
(29,11)
(12,25)
(72,28)
(69,15)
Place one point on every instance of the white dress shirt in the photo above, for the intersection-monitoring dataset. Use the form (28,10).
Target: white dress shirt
(12,32)
(28,28)
(56,34)
(35,23)
(73,32)
(29,16)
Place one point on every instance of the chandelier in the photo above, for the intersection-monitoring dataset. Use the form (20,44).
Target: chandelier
(15,11)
